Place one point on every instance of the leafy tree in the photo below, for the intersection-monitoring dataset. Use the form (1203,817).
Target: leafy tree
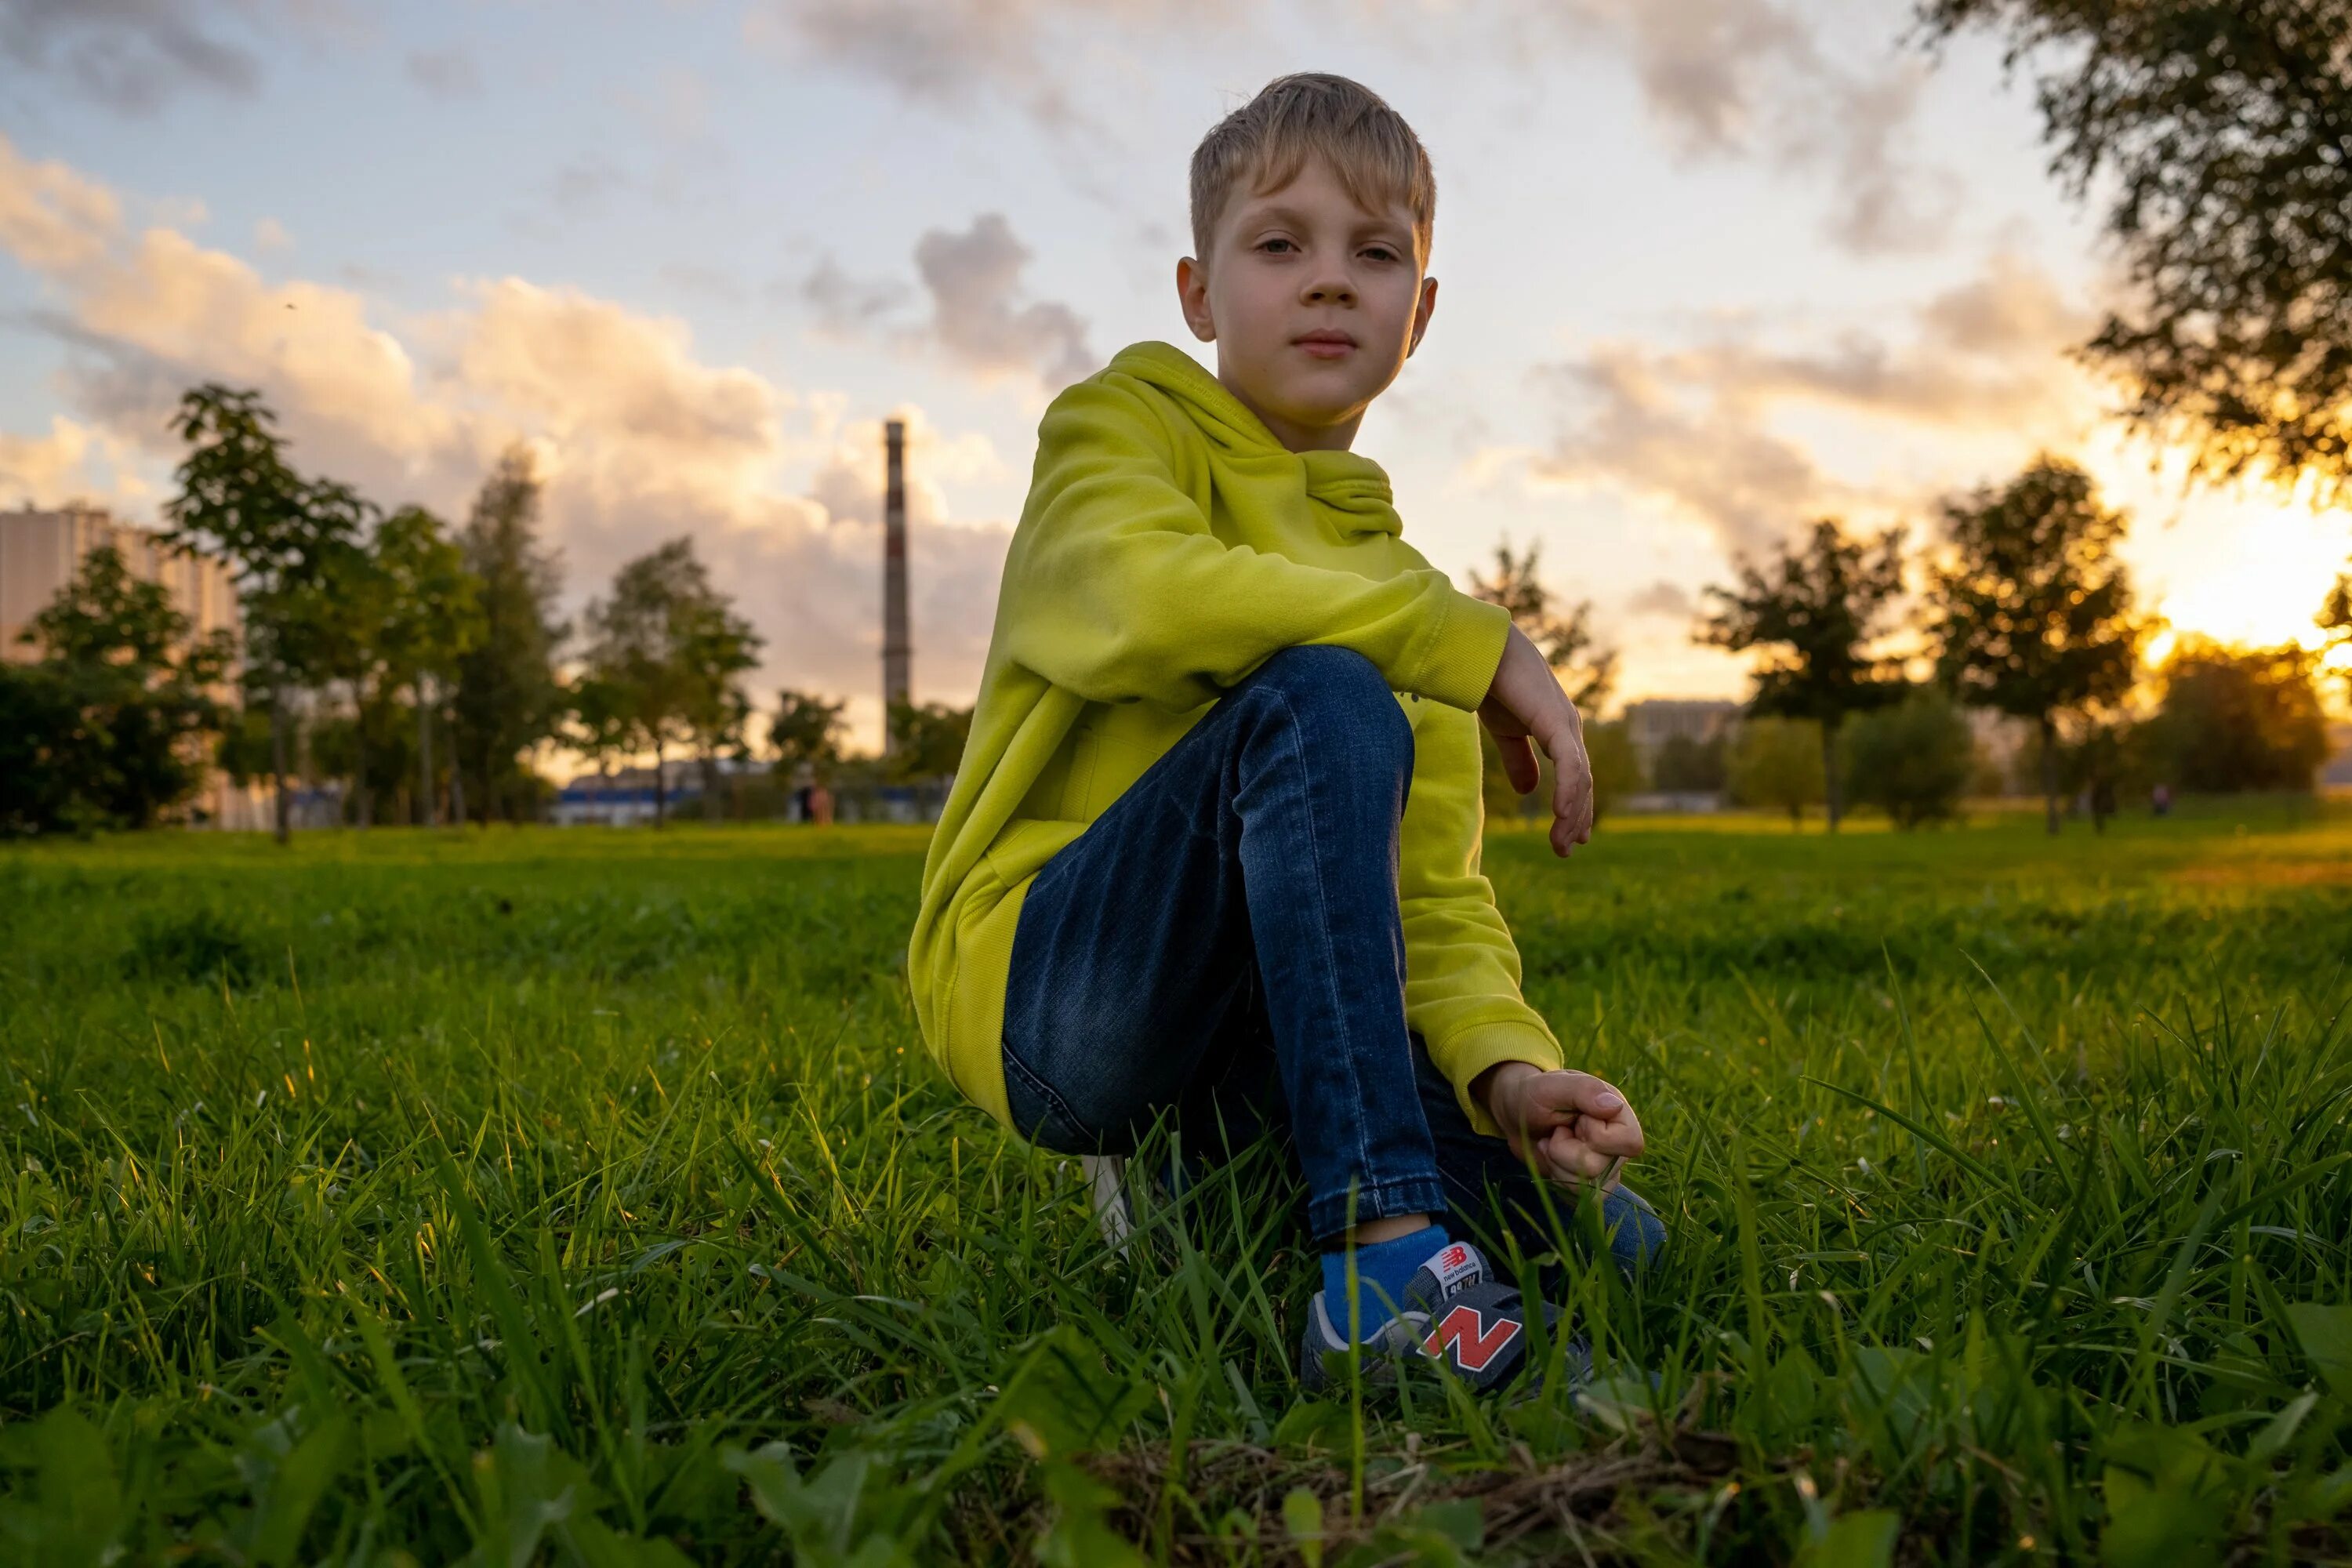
(931,741)
(1587,671)
(1815,611)
(285,538)
(597,721)
(430,619)
(2221,131)
(1688,765)
(667,646)
(107,727)
(1616,767)
(1913,759)
(1778,763)
(2238,718)
(806,729)
(2032,614)
(2335,619)
(508,698)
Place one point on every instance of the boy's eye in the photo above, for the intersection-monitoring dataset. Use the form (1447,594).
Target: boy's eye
(1381,252)
(1264,243)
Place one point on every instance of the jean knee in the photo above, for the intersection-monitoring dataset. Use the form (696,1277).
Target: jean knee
(1636,1234)
(1349,687)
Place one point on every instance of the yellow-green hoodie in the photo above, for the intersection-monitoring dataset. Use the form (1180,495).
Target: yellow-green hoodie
(1169,545)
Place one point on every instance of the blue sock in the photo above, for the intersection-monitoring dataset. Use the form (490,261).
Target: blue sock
(1383,1268)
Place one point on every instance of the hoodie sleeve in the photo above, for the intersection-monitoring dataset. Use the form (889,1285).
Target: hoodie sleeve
(1117,590)
(1462,969)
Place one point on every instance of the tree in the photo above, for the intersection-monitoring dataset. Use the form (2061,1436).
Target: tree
(2334,618)
(1778,763)
(668,647)
(1587,671)
(598,725)
(1687,765)
(716,647)
(931,739)
(2031,614)
(806,729)
(1912,759)
(2238,718)
(1815,611)
(2223,131)
(508,698)
(283,536)
(430,619)
(1616,767)
(107,727)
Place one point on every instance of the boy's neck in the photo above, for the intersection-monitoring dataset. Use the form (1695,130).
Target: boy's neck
(1298,437)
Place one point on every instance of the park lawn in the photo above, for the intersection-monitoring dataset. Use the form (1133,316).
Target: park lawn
(587,1196)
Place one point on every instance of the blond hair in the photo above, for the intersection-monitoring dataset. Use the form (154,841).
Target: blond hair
(1378,159)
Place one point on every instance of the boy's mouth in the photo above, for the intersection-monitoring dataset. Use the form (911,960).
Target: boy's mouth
(1326,343)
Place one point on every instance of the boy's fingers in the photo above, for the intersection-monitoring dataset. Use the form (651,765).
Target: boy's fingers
(1518,761)
(1576,1093)
(1570,1162)
(1620,1138)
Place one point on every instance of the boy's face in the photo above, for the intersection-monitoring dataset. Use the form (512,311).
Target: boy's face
(1313,302)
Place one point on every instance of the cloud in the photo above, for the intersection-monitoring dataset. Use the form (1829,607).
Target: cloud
(638,437)
(974,282)
(847,306)
(1662,598)
(1695,429)
(62,466)
(130,55)
(1735,78)
(981,320)
(447,74)
(51,218)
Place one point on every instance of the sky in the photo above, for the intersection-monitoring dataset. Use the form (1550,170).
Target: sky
(1707,270)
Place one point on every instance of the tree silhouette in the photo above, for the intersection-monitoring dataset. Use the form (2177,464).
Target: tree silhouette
(1587,671)
(2223,131)
(1815,611)
(2032,613)
(508,698)
(286,538)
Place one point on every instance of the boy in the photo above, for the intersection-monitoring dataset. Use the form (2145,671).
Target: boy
(1214,848)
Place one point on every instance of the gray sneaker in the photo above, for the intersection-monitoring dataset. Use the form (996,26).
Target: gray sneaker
(1450,1313)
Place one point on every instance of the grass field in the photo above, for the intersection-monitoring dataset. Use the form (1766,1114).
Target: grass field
(587,1198)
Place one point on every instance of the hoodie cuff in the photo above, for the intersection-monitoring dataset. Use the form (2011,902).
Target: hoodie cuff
(1457,666)
(1463,1057)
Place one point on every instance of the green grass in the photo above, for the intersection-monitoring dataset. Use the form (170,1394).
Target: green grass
(587,1198)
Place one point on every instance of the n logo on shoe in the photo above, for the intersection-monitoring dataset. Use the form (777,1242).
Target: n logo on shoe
(1463,1332)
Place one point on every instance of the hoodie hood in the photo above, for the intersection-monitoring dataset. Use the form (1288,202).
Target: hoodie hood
(1354,488)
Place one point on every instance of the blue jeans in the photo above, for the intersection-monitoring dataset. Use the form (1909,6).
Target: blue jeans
(1223,946)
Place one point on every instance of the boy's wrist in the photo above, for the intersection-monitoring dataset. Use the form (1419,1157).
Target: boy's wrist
(1490,1086)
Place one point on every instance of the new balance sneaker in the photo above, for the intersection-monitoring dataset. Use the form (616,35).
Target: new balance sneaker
(1450,1312)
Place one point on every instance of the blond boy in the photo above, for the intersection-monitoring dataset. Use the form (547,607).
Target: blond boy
(1212,854)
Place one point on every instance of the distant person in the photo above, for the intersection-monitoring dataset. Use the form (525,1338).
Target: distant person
(1214,850)
(820,805)
(2159,800)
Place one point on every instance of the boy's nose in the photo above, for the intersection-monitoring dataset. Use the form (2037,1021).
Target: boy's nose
(1330,290)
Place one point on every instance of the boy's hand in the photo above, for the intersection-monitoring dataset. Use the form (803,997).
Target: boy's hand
(1578,1128)
(1526,701)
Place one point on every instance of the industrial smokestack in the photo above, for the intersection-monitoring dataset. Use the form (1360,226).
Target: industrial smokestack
(898,651)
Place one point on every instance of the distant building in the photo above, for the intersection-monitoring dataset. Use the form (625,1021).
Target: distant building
(40,551)
(1651,723)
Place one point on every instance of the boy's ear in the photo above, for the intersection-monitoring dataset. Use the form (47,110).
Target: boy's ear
(1420,313)
(1192,297)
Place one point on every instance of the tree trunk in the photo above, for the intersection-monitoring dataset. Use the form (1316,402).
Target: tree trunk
(278,762)
(2050,770)
(712,808)
(456,780)
(661,786)
(427,809)
(1831,804)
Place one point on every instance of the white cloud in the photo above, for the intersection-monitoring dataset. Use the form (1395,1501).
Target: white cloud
(638,437)
(1700,430)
